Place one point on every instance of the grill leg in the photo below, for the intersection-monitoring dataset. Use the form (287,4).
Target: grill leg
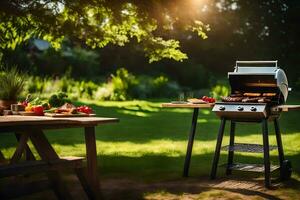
(266,153)
(218,149)
(190,143)
(279,145)
(231,148)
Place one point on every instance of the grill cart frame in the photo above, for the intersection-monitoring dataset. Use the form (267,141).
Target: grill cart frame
(258,77)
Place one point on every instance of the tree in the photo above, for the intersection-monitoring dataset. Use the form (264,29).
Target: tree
(97,23)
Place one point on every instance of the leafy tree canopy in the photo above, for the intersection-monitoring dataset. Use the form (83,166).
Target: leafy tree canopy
(153,24)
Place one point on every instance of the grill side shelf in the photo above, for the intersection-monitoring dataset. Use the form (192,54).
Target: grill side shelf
(249,148)
(250,167)
(284,108)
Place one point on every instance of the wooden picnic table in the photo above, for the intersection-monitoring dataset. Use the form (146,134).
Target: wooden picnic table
(31,128)
(196,108)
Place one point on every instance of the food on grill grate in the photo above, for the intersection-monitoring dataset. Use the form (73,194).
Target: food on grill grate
(264,100)
(269,94)
(236,95)
(253,99)
(250,94)
(231,99)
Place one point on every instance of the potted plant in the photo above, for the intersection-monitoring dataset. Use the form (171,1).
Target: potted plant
(12,83)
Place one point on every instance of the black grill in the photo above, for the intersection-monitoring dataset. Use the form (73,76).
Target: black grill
(258,88)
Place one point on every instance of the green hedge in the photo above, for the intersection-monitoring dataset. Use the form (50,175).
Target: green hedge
(119,87)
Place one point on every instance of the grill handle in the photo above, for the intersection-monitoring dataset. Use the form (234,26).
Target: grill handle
(251,62)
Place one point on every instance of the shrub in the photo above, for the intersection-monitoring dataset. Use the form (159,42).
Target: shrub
(162,87)
(12,83)
(120,86)
(219,90)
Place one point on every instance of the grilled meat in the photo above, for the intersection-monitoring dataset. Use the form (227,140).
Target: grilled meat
(248,99)
(264,100)
(269,94)
(250,94)
(236,95)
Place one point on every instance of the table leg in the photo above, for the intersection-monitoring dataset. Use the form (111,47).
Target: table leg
(47,153)
(20,148)
(91,156)
(190,143)
(28,153)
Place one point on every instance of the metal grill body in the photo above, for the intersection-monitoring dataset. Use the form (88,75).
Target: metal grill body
(257,88)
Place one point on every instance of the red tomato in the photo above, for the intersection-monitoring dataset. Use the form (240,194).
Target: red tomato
(208,99)
(84,109)
(39,110)
(211,100)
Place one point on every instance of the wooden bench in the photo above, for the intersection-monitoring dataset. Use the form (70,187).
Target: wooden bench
(38,166)
(33,167)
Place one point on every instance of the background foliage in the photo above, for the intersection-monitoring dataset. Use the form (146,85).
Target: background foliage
(91,39)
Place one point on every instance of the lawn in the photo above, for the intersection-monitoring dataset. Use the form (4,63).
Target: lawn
(144,153)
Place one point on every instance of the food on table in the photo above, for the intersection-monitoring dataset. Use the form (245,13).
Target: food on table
(250,94)
(38,110)
(67,108)
(28,108)
(196,101)
(85,109)
(208,99)
(26,101)
(39,107)
(57,100)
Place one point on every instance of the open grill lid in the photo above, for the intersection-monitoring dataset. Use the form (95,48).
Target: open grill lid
(259,77)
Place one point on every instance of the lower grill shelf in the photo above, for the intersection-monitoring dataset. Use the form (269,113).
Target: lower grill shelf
(250,148)
(250,167)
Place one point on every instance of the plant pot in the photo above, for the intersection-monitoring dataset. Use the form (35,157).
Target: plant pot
(5,104)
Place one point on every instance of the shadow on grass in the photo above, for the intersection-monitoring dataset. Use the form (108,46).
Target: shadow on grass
(161,174)
(155,167)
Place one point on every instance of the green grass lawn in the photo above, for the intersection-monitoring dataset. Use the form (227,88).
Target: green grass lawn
(149,142)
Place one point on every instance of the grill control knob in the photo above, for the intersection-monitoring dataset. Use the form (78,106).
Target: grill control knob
(253,109)
(222,108)
(240,108)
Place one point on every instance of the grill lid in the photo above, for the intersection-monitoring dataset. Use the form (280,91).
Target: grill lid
(259,76)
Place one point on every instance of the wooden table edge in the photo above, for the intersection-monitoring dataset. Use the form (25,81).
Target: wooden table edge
(187,105)
(58,121)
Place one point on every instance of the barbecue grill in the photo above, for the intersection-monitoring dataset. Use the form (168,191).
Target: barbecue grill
(259,90)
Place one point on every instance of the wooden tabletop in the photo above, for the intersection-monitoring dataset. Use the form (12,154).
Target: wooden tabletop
(17,120)
(187,105)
